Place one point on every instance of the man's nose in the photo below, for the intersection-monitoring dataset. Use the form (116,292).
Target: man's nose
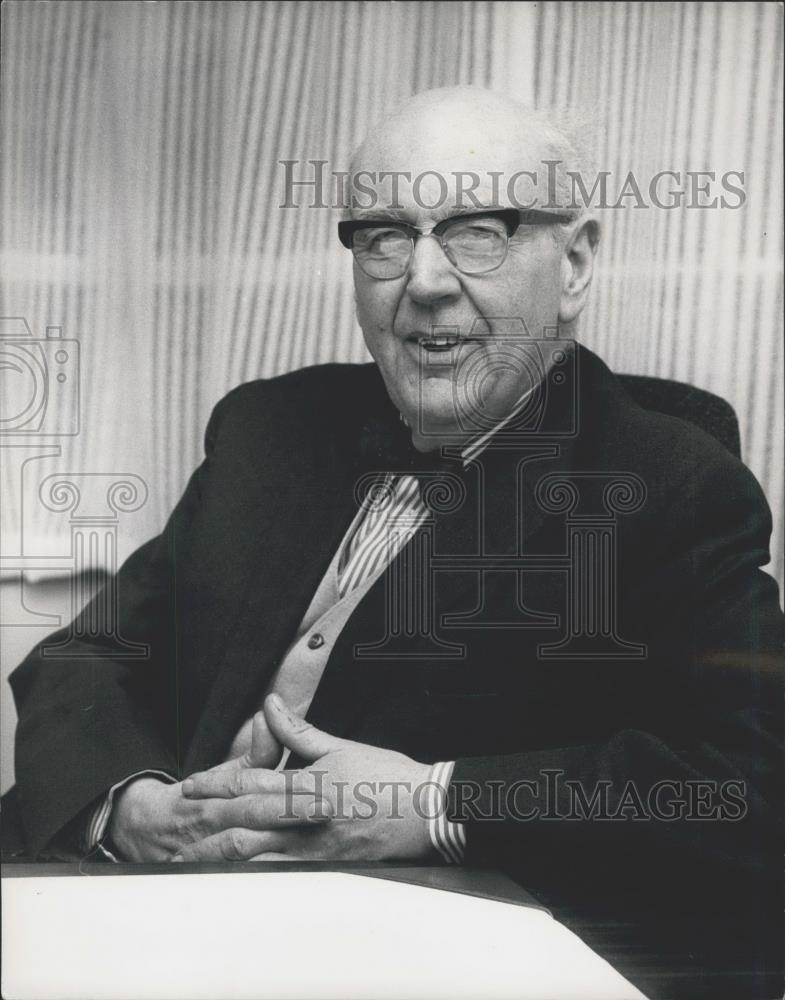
(432,277)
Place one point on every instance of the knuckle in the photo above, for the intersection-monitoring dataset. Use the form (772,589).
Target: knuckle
(195,824)
(237,783)
(182,828)
(202,784)
(253,812)
(234,845)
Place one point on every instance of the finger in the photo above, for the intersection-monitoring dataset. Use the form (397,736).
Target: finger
(235,844)
(229,783)
(271,856)
(256,756)
(216,784)
(260,742)
(298,735)
(267,812)
(228,767)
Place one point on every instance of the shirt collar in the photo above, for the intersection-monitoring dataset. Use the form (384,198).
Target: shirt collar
(478,444)
(474,447)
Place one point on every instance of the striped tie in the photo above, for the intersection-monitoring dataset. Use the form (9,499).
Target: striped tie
(394,512)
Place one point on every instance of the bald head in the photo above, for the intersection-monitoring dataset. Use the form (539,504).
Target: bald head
(448,136)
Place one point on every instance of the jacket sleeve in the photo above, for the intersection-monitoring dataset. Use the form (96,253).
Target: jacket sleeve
(697,774)
(89,720)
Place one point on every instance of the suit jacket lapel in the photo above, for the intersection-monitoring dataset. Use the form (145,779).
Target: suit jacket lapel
(292,532)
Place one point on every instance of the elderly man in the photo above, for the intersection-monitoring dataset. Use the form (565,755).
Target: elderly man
(393,552)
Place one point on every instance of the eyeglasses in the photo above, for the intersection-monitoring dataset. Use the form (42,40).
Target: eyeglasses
(474,244)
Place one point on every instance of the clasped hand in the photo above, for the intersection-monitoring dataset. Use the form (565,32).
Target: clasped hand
(351,801)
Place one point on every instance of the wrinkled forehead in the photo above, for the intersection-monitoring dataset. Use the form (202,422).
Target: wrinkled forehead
(428,167)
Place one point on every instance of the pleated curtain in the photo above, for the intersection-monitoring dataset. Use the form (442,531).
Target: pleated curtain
(142,191)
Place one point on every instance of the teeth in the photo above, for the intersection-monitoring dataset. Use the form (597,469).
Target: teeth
(439,341)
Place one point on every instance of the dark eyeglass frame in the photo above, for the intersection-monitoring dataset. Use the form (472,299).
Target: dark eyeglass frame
(512,218)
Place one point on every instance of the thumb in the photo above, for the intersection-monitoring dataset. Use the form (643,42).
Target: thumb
(295,733)
(262,753)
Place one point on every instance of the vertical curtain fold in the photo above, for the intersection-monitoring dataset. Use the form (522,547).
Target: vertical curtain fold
(141,193)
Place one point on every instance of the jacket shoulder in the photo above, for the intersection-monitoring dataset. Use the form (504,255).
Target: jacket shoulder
(315,380)
(305,398)
(644,439)
(684,469)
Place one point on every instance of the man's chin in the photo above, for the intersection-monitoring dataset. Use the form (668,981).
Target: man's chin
(431,431)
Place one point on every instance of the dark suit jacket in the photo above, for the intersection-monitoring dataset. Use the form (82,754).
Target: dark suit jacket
(218,596)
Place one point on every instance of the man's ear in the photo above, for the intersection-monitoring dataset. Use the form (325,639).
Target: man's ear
(577,268)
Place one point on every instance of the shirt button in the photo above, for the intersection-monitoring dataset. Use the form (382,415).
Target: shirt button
(316,640)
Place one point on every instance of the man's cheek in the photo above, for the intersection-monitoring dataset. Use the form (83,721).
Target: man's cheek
(375,317)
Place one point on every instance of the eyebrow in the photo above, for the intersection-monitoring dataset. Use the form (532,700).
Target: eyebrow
(394,215)
(382,215)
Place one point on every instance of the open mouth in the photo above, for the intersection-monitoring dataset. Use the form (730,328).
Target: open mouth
(440,344)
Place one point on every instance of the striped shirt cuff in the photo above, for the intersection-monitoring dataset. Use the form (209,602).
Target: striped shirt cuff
(448,838)
(98,821)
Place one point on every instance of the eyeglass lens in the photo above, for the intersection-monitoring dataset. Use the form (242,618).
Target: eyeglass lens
(472,245)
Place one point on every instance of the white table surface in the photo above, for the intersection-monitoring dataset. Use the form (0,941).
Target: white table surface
(285,936)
